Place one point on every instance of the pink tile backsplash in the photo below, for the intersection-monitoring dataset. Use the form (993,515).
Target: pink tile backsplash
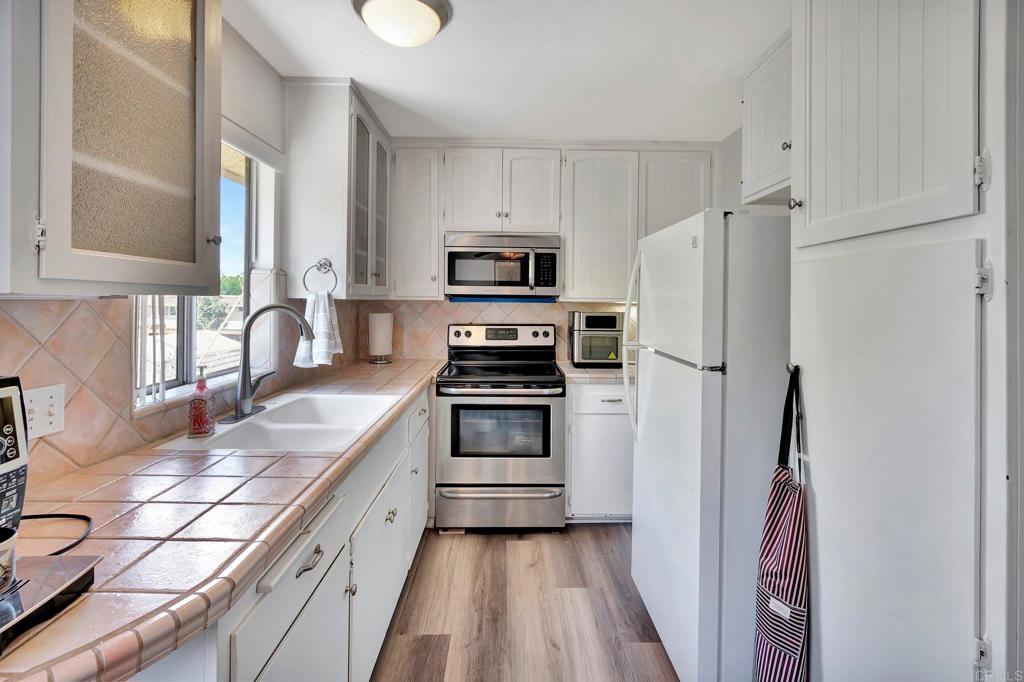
(86,345)
(421,327)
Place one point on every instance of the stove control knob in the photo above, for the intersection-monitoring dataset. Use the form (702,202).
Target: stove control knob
(457,333)
(536,334)
(468,333)
(8,429)
(547,334)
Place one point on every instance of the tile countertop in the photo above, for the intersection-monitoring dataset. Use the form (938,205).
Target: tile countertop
(182,534)
(592,375)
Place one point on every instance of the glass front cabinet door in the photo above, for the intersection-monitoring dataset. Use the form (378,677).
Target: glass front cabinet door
(115,146)
(370,203)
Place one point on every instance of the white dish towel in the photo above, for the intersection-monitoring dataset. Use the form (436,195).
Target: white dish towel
(323,318)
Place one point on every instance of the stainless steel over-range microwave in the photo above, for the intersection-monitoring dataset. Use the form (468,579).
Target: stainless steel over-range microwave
(481,264)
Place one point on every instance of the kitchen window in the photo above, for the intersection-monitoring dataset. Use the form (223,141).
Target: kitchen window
(175,335)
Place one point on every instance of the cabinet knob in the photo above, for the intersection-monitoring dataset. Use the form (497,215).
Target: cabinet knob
(416,471)
(215,240)
(351,589)
(422,412)
(433,278)
(498,214)
(506,214)
(786,146)
(794,204)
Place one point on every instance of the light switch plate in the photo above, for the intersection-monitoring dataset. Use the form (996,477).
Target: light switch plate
(45,408)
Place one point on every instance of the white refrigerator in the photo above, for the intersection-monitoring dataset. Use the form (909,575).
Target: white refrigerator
(711,347)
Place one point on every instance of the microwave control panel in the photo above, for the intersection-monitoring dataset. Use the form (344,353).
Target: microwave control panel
(545,275)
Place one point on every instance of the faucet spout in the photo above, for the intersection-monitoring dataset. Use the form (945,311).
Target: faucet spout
(246,389)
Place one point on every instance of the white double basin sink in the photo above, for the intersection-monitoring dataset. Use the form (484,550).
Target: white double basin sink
(299,422)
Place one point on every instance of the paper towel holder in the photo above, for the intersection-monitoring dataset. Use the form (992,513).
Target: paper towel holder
(381,326)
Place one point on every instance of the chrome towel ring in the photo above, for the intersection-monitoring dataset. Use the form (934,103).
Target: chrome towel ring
(323,266)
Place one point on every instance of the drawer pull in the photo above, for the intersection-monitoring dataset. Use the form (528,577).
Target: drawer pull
(611,400)
(318,554)
(351,589)
(422,412)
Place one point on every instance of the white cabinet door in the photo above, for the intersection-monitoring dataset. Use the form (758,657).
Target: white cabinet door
(418,493)
(416,244)
(472,189)
(316,646)
(673,186)
(599,200)
(885,115)
(380,548)
(601,453)
(767,137)
(530,184)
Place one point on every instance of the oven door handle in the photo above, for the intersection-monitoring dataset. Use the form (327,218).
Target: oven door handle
(446,390)
(540,495)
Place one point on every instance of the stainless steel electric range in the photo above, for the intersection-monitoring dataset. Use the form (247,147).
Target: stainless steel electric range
(500,449)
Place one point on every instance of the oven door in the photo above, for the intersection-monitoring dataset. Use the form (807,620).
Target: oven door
(506,271)
(597,348)
(490,440)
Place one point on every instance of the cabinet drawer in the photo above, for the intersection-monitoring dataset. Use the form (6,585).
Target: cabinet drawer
(286,587)
(605,402)
(418,416)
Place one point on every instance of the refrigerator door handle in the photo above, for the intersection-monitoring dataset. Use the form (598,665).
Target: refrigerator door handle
(628,345)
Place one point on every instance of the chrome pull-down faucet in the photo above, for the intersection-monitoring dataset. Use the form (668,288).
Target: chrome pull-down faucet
(246,389)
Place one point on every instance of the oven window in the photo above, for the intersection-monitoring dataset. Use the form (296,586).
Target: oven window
(488,268)
(501,431)
(600,347)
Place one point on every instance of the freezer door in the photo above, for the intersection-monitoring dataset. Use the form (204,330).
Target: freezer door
(676,479)
(681,289)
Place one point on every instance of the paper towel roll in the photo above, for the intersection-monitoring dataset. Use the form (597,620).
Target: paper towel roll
(381,325)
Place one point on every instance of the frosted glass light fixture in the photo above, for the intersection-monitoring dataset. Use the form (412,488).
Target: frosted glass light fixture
(405,23)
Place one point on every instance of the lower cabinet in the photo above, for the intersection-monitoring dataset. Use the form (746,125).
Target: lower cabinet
(316,646)
(379,548)
(418,493)
(601,453)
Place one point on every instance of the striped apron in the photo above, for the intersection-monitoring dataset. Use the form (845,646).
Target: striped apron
(782,600)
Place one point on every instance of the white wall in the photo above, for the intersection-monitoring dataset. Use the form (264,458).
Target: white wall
(728,176)
(252,99)
(997,227)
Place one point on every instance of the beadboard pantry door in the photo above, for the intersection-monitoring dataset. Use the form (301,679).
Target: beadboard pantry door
(130,190)
(885,115)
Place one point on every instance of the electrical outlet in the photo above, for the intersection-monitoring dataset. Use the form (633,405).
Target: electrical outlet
(45,410)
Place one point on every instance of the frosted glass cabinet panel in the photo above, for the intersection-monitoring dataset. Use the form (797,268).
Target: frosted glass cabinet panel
(127,102)
(370,214)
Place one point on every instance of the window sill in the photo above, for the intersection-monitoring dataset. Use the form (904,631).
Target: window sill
(180,395)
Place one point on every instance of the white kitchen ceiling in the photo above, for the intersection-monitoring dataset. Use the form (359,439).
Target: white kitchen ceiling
(536,69)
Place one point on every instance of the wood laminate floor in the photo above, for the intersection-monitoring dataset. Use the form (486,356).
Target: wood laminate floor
(533,607)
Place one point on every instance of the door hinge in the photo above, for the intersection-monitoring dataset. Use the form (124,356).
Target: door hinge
(983,281)
(40,240)
(983,654)
(982,163)
(444,214)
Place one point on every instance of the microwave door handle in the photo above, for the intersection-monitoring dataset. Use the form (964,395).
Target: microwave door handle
(533,258)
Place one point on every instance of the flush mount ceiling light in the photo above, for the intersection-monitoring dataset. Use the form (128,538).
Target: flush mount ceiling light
(405,23)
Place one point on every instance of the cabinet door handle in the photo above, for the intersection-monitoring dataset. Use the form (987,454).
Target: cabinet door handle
(422,412)
(416,471)
(786,146)
(611,400)
(351,589)
(794,204)
(215,240)
(498,214)
(318,554)
(506,214)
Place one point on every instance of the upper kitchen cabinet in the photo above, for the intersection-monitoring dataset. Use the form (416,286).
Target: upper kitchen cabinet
(673,186)
(599,196)
(110,149)
(416,250)
(885,116)
(336,189)
(767,137)
(491,189)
